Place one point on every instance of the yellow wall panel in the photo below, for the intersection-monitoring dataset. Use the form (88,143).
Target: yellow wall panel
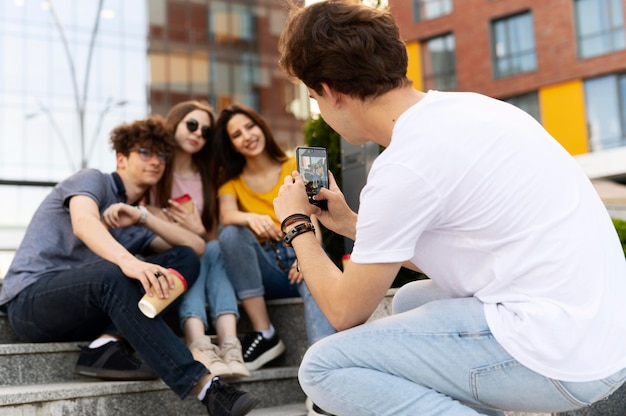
(563,115)
(414,71)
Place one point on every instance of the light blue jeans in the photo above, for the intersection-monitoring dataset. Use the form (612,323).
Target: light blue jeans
(433,356)
(213,287)
(263,270)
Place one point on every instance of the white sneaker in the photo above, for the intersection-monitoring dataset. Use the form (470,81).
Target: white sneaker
(232,356)
(207,353)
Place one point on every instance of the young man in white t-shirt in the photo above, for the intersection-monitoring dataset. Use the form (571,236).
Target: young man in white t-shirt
(524,306)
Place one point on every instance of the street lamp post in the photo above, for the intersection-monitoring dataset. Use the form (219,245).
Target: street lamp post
(108,107)
(79,102)
(55,126)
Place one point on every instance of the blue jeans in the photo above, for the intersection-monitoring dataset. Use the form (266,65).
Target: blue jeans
(263,270)
(213,286)
(434,356)
(81,304)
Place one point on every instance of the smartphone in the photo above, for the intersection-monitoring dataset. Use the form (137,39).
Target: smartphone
(185,201)
(312,165)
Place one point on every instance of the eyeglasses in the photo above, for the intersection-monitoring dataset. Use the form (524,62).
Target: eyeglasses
(192,125)
(279,257)
(147,154)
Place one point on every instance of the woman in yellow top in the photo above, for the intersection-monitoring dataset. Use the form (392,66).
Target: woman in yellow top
(251,170)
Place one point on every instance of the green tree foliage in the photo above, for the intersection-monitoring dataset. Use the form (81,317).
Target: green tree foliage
(620,227)
(319,134)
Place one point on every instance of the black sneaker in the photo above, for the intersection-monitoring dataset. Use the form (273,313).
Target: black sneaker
(112,361)
(258,351)
(224,400)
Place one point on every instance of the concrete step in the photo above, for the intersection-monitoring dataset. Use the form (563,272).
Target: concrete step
(29,364)
(38,379)
(276,387)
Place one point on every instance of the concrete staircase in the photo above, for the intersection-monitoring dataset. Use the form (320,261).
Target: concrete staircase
(38,379)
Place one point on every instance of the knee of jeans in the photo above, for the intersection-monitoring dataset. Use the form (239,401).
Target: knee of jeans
(183,252)
(415,294)
(184,255)
(313,364)
(211,251)
(305,372)
(230,234)
(400,302)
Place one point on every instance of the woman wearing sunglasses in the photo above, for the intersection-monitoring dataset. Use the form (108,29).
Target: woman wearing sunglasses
(191,123)
(251,171)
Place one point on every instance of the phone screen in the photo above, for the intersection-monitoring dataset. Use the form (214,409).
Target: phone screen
(313,167)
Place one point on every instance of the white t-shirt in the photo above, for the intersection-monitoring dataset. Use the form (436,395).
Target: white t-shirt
(483,200)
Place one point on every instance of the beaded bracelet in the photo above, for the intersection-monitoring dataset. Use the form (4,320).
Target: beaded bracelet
(305,227)
(293,218)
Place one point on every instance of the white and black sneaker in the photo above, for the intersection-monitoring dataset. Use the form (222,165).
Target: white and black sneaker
(258,351)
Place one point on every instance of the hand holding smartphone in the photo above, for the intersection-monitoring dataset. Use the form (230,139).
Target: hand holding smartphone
(312,164)
(185,201)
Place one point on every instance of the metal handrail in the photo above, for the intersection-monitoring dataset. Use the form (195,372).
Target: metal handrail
(20,182)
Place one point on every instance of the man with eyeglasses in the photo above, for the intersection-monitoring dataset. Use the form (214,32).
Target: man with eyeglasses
(90,253)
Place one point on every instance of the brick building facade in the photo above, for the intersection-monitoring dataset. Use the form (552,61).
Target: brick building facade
(573,46)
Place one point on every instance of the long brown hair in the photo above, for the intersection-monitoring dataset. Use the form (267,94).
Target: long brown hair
(203,160)
(223,148)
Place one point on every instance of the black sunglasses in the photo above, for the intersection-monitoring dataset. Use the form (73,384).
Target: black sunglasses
(192,125)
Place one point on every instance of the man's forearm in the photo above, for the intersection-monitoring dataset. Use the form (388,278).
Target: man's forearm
(95,235)
(173,234)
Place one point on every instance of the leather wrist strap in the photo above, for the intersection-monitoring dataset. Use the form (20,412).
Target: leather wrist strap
(292,219)
(299,229)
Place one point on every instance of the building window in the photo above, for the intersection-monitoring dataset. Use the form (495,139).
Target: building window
(513,45)
(528,102)
(439,63)
(430,9)
(599,26)
(231,23)
(605,102)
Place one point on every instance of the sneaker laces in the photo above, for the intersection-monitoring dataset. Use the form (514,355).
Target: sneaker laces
(119,348)
(129,352)
(226,392)
(232,352)
(208,350)
(253,339)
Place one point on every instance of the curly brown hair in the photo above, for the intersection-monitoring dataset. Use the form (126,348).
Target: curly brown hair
(150,133)
(355,49)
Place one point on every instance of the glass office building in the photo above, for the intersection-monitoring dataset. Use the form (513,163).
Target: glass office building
(74,69)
